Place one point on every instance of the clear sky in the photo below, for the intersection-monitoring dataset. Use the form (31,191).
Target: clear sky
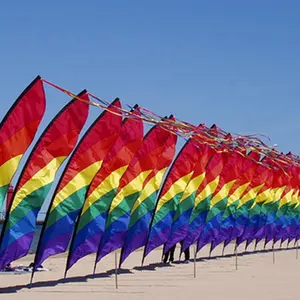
(233,63)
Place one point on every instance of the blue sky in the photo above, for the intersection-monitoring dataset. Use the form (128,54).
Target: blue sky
(233,63)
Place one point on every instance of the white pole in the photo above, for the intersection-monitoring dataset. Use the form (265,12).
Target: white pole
(236,256)
(116,269)
(273,254)
(195,254)
(297,250)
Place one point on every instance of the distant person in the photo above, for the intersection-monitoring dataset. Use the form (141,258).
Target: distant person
(169,255)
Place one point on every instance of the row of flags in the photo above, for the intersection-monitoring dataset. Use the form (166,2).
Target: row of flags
(124,189)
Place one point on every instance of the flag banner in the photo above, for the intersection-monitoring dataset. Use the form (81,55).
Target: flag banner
(271,204)
(18,129)
(156,142)
(228,213)
(263,176)
(52,148)
(174,185)
(202,201)
(236,213)
(232,164)
(181,219)
(90,224)
(70,192)
(143,209)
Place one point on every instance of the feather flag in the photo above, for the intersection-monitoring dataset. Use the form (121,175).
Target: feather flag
(185,206)
(172,191)
(203,197)
(227,212)
(70,192)
(154,145)
(143,208)
(278,207)
(91,222)
(232,164)
(238,203)
(263,176)
(283,214)
(270,205)
(289,229)
(17,130)
(52,148)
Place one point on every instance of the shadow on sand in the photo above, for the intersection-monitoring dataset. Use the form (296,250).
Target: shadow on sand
(151,267)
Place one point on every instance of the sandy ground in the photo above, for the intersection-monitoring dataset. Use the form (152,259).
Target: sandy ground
(257,278)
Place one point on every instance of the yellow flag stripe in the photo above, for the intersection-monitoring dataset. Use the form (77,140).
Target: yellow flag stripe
(208,190)
(43,177)
(151,187)
(236,195)
(111,182)
(8,169)
(176,188)
(192,186)
(223,193)
(133,186)
(80,180)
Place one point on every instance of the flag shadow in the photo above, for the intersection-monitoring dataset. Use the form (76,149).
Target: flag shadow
(52,283)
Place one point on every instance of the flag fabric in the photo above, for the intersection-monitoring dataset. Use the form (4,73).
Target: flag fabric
(203,197)
(17,130)
(52,148)
(143,208)
(185,206)
(92,218)
(80,170)
(271,203)
(172,191)
(236,213)
(277,211)
(154,145)
(232,164)
(228,213)
(259,193)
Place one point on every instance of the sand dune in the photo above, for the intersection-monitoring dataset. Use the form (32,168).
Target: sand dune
(216,278)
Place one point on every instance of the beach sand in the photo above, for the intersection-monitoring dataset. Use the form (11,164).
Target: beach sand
(257,278)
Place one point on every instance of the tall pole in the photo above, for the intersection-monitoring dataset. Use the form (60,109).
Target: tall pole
(195,254)
(273,253)
(116,269)
(236,256)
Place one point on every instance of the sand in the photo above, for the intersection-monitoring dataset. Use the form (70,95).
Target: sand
(257,278)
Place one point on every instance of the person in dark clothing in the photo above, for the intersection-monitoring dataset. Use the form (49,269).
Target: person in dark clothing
(169,255)
(187,254)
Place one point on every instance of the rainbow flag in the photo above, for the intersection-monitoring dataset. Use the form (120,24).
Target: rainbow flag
(143,208)
(232,164)
(235,205)
(91,223)
(205,191)
(185,206)
(70,192)
(257,176)
(131,185)
(17,130)
(54,145)
(260,192)
(172,191)
(271,203)
(230,202)
(277,211)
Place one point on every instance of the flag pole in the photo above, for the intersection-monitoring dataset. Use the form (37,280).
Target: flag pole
(236,256)
(116,269)
(273,253)
(195,255)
